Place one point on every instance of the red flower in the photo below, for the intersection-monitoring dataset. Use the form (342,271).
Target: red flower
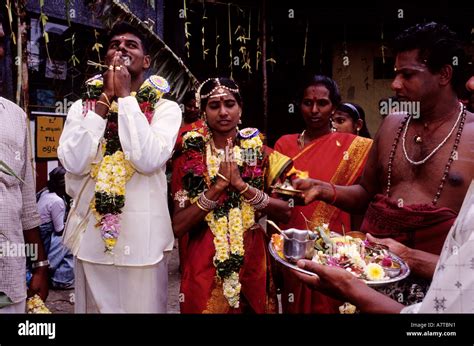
(145,106)
(199,169)
(252,172)
(147,109)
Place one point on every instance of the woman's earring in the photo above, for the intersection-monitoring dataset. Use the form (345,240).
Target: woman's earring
(358,131)
(333,128)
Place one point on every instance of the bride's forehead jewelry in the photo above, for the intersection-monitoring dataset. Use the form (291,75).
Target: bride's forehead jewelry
(221,91)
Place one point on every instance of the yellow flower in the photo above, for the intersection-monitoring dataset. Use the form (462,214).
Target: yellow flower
(96,82)
(110,242)
(251,143)
(114,107)
(191,134)
(374,272)
(248,218)
(94,170)
(237,155)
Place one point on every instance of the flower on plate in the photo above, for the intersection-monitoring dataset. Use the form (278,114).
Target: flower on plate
(374,272)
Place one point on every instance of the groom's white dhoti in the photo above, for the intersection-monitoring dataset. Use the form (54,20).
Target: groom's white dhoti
(137,289)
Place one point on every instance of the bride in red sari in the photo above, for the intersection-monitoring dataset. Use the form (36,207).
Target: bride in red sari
(335,157)
(218,186)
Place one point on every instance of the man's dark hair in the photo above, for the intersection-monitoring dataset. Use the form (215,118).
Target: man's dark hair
(56,179)
(438,46)
(190,95)
(123,28)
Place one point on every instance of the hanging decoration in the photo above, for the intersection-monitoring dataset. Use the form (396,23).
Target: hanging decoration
(151,3)
(67,4)
(216,56)
(187,34)
(73,59)
(203,31)
(10,20)
(247,52)
(44,20)
(271,59)
(258,50)
(243,38)
(230,43)
(97,46)
(382,46)
(305,42)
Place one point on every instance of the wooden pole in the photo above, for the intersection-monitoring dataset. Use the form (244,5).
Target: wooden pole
(264,66)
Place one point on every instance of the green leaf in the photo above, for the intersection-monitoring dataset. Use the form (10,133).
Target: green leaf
(7,170)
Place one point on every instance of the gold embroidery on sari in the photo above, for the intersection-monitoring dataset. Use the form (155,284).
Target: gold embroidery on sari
(217,303)
(345,174)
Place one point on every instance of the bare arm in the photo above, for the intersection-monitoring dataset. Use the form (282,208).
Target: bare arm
(276,209)
(340,284)
(39,280)
(352,199)
(187,215)
(421,263)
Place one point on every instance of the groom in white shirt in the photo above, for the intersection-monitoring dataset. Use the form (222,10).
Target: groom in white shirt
(133,277)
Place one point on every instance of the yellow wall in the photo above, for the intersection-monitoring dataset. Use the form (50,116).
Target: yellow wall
(356,81)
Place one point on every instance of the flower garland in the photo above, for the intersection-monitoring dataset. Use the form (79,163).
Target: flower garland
(233,216)
(114,171)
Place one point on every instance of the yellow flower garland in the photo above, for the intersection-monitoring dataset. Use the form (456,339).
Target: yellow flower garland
(229,231)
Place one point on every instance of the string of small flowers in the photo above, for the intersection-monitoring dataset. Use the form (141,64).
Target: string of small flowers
(114,170)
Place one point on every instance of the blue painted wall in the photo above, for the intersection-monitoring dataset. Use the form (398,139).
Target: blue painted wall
(57,9)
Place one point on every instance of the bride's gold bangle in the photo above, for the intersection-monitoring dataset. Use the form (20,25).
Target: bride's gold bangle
(223,177)
(245,189)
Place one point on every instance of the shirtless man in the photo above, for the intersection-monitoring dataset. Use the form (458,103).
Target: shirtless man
(415,203)
(452,266)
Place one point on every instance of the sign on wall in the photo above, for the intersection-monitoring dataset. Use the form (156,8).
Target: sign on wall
(48,131)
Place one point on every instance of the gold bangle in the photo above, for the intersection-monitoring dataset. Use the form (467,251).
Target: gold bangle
(106,98)
(103,103)
(223,177)
(201,207)
(245,190)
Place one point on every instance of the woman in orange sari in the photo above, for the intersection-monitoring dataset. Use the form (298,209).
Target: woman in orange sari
(218,186)
(338,158)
